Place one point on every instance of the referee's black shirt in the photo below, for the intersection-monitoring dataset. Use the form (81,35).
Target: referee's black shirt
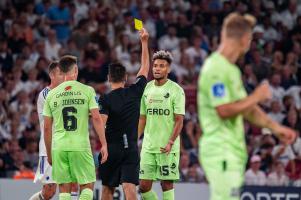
(122,106)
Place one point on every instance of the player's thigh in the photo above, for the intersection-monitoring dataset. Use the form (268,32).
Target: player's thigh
(130,167)
(83,167)
(168,166)
(148,166)
(61,167)
(224,184)
(110,171)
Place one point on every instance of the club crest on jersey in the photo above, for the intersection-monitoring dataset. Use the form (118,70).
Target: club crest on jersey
(218,90)
(68,88)
(167,95)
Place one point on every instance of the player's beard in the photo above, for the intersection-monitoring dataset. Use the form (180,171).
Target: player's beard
(159,78)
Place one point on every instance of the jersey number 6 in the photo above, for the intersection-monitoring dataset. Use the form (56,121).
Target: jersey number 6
(70,121)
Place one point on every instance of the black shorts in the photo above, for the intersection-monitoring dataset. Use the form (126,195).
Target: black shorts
(122,166)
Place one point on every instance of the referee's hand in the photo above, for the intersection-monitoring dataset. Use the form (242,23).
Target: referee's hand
(143,35)
(104,154)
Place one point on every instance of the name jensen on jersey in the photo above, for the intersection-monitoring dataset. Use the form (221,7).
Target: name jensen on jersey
(68,93)
(157,111)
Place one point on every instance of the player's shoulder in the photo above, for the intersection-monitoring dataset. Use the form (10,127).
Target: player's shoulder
(150,84)
(83,86)
(213,63)
(175,85)
(44,93)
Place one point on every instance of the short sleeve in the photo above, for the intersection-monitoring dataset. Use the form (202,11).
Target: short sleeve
(47,110)
(103,105)
(179,102)
(139,86)
(218,89)
(143,106)
(92,99)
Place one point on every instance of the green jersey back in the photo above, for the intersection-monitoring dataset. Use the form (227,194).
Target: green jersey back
(69,105)
(220,83)
(159,104)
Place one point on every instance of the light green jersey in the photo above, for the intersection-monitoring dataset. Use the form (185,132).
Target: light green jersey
(159,104)
(69,105)
(220,83)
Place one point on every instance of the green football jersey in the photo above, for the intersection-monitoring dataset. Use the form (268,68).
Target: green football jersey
(159,104)
(69,105)
(220,83)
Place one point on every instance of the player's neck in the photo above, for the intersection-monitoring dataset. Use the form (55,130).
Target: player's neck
(69,78)
(160,82)
(115,86)
(51,86)
(226,49)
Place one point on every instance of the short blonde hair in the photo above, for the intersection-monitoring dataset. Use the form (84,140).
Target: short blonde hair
(236,25)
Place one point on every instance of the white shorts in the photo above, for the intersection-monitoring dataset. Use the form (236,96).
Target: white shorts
(44,172)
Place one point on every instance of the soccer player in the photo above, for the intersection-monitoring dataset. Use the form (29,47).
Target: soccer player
(161,119)
(44,170)
(223,103)
(67,107)
(120,111)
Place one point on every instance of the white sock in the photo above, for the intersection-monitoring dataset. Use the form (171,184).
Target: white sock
(74,195)
(37,196)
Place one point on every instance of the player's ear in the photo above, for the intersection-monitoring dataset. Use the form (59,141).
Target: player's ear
(109,79)
(76,72)
(168,68)
(126,78)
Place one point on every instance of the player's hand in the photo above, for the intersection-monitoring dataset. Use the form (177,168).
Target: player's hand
(263,92)
(49,159)
(166,149)
(143,35)
(104,154)
(285,134)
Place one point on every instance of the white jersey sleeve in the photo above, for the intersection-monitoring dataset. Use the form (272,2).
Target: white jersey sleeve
(40,105)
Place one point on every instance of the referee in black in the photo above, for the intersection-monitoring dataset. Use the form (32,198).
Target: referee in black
(120,112)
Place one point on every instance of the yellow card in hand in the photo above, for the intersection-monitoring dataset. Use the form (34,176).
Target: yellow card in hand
(138,24)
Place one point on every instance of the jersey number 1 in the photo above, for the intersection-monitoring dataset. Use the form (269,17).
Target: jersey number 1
(70,121)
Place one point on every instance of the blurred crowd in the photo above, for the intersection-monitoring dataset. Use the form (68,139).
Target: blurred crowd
(98,32)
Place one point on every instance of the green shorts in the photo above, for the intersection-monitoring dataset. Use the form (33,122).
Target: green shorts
(73,166)
(159,166)
(225,181)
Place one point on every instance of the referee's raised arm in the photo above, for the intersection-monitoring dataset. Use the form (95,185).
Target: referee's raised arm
(144,69)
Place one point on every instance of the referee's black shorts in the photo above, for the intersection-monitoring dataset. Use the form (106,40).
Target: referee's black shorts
(122,166)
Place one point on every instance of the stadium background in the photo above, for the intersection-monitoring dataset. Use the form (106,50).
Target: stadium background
(99,32)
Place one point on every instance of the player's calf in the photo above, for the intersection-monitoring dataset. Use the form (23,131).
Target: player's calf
(86,191)
(168,190)
(145,189)
(166,185)
(107,193)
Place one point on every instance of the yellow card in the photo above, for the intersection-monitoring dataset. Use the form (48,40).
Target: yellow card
(138,24)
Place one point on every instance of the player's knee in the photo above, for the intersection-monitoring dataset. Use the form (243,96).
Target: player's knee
(108,190)
(144,186)
(86,186)
(49,191)
(166,185)
(129,188)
